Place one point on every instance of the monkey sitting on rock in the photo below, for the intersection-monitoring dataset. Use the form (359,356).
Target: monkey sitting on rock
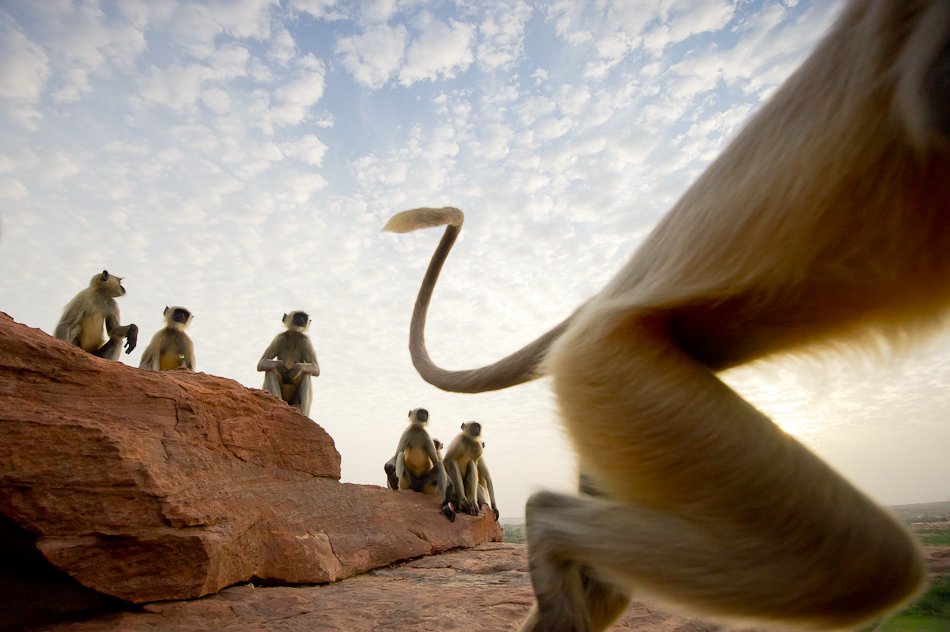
(288,376)
(417,464)
(171,347)
(92,309)
(467,472)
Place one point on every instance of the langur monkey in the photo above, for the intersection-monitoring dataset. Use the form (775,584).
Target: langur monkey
(393,481)
(92,309)
(417,464)
(824,223)
(461,464)
(288,377)
(171,347)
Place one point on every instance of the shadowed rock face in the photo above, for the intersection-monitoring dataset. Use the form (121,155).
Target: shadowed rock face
(150,486)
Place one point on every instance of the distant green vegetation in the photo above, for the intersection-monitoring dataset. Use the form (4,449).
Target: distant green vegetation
(933,536)
(930,613)
(514,532)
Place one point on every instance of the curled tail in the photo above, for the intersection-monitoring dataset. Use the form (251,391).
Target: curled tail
(519,367)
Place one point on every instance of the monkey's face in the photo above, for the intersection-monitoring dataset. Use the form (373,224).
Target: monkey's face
(181,315)
(419,414)
(177,316)
(108,283)
(297,320)
(472,428)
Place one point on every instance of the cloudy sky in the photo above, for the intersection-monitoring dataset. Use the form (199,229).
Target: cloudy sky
(240,157)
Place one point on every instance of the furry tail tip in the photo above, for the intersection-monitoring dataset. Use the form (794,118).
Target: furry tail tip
(416,218)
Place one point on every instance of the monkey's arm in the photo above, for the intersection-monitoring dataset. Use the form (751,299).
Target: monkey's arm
(471,487)
(521,366)
(267,363)
(68,328)
(150,359)
(189,353)
(484,475)
(308,364)
(117,332)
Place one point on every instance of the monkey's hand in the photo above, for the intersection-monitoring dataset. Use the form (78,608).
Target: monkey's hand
(390,470)
(495,509)
(273,365)
(131,338)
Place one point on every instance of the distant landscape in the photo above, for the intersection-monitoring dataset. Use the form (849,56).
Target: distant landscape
(930,522)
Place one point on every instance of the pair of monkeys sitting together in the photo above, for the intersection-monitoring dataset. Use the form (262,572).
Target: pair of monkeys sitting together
(94,310)
(461,477)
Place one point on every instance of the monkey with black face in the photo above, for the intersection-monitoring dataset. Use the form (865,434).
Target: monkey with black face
(92,309)
(417,464)
(171,347)
(288,376)
(461,463)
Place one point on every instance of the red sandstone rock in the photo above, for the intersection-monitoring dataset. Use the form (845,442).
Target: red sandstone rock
(486,589)
(154,486)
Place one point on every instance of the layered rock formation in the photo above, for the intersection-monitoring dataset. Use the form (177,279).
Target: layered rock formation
(151,486)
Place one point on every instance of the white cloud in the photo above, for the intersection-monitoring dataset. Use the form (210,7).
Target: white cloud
(374,56)
(181,87)
(195,26)
(11,189)
(282,47)
(501,32)
(440,51)
(316,8)
(291,102)
(216,100)
(307,148)
(684,18)
(376,11)
(173,86)
(24,67)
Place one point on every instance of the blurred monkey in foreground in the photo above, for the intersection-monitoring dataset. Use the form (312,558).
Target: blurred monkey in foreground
(417,464)
(170,347)
(92,310)
(288,376)
(825,222)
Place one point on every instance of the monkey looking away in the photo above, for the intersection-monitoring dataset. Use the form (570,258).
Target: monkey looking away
(289,362)
(92,309)
(171,347)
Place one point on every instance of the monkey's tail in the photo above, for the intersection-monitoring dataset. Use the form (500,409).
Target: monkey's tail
(521,366)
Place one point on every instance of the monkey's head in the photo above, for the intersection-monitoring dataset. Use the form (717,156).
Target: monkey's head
(420,415)
(472,429)
(177,317)
(297,321)
(108,284)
